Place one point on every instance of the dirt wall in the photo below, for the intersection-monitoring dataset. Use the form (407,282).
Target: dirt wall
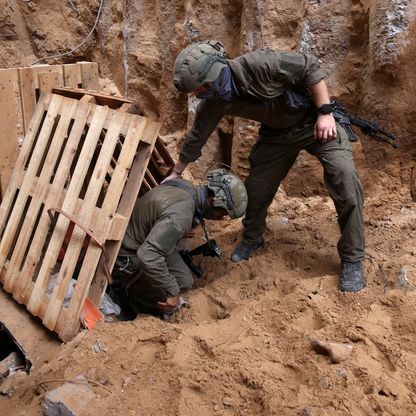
(366,48)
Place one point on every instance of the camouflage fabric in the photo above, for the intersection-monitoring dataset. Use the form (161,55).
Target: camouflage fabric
(159,220)
(261,78)
(271,159)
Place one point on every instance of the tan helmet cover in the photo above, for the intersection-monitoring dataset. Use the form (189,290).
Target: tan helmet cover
(229,192)
(197,64)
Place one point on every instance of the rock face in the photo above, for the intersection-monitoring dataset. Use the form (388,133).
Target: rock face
(367,48)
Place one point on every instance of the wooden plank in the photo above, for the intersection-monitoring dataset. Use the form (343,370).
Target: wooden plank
(126,205)
(43,69)
(88,99)
(66,110)
(81,170)
(55,197)
(9,110)
(72,75)
(18,171)
(117,227)
(48,80)
(160,147)
(150,179)
(29,87)
(102,99)
(74,247)
(35,161)
(27,94)
(116,221)
(89,75)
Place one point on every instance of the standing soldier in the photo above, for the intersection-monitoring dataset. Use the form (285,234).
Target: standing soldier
(259,86)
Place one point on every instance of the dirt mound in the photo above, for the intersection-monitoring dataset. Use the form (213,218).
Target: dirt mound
(244,344)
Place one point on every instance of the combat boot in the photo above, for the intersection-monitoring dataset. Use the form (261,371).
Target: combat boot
(244,251)
(351,278)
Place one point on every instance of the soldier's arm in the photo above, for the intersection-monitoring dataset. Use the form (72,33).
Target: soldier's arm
(305,70)
(299,68)
(325,128)
(208,115)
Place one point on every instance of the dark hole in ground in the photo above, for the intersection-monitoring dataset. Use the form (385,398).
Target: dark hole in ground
(12,356)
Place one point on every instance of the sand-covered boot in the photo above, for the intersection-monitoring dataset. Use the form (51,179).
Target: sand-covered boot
(351,278)
(244,251)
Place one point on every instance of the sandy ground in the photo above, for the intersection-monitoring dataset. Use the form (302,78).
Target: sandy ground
(243,347)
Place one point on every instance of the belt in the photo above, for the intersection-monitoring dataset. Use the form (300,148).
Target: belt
(266,130)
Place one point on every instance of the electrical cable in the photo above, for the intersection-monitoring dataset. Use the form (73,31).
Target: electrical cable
(77,47)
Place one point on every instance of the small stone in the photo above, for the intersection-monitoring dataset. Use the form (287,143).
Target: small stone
(324,384)
(68,400)
(306,412)
(337,352)
(216,407)
(9,386)
(126,381)
(97,347)
(227,401)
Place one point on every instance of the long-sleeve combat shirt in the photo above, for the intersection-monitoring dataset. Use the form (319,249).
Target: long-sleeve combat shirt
(261,77)
(159,220)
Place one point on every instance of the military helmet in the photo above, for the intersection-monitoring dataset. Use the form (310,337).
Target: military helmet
(197,64)
(229,192)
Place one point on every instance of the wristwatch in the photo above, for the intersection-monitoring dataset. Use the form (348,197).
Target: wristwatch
(326,108)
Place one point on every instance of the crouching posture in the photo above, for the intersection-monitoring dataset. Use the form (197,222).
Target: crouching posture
(149,269)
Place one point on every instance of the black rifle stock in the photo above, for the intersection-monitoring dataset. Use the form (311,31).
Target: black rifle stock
(369,128)
(345,119)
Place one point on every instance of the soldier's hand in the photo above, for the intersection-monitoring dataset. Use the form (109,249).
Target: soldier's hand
(325,128)
(169,304)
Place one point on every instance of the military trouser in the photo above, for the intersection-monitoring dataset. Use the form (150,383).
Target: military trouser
(271,159)
(140,292)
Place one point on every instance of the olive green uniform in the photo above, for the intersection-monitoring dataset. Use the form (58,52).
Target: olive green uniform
(261,77)
(159,220)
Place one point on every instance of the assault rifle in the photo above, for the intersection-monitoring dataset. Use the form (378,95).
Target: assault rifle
(344,118)
(208,249)
(368,128)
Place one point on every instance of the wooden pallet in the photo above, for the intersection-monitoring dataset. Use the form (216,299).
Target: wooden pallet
(89,161)
(20,89)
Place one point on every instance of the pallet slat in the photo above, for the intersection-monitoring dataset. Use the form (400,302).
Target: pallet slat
(72,75)
(9,110)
